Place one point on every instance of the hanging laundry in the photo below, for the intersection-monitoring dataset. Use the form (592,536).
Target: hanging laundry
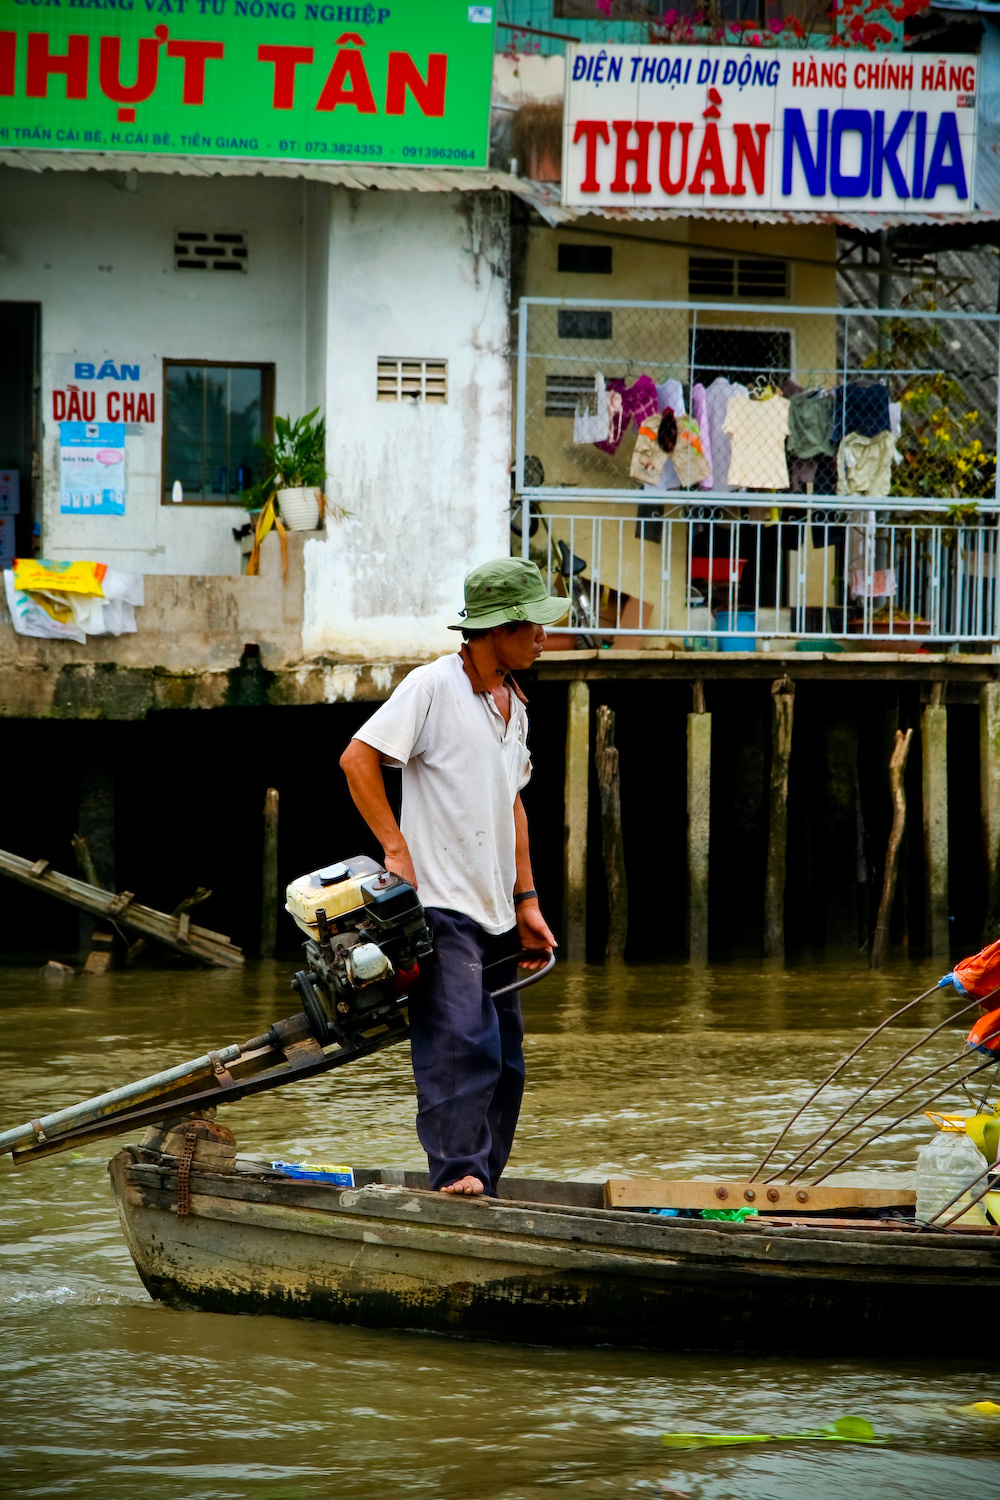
(758,430)
(699,410)
(878,585)
(862,407)
(592,418)
(638,404)
(810,424)
(648,458)
(895,418)
(717,399)
(864,464)
(689,456)
(670,393)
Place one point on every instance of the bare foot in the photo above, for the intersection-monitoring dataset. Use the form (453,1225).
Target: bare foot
(470,1187)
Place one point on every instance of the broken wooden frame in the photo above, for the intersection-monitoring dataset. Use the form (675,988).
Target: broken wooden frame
(177,932)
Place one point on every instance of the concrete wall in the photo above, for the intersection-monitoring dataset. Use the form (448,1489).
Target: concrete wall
(99,259)
(417,275)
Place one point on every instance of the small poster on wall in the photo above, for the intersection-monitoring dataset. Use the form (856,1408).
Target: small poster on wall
(10,492)
(92,468)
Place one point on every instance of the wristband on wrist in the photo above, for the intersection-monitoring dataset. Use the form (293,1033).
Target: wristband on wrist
(525,896)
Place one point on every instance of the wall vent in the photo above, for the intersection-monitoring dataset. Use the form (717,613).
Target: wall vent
(723,276)
(413,380)
(563,391)
(583,323)
(203,250)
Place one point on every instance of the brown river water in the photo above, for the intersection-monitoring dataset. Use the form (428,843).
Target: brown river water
(653,1071)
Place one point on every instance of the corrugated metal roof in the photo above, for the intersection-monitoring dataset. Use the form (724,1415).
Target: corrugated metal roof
(543,196)
(353,175)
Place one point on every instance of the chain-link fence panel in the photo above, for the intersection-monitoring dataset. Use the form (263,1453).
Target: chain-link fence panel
(670,399)
(704,475)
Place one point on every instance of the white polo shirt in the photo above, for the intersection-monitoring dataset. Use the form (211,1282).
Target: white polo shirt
(462,769)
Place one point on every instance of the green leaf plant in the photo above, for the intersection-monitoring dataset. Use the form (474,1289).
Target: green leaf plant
(843,1430)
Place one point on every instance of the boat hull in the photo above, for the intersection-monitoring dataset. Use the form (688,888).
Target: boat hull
(543,1273)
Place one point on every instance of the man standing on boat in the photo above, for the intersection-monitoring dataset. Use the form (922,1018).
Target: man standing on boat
(458,729)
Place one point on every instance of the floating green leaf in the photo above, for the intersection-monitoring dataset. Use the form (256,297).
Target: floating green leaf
(844,1430)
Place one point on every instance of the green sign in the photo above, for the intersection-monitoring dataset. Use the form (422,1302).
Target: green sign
(405,83)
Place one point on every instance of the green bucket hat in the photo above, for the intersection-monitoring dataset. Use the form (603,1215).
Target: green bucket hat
(508,590)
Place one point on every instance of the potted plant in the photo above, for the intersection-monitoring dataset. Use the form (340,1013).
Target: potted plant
(291,494)
(296,477)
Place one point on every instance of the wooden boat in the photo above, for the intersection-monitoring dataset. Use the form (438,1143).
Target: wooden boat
(552,1262)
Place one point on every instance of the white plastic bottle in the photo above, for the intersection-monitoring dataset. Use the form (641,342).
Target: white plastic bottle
(946,1165)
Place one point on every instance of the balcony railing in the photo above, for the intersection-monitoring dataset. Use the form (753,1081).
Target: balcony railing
(887,534)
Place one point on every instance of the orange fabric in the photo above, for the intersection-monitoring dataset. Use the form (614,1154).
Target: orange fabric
(979,975)
(985,1035)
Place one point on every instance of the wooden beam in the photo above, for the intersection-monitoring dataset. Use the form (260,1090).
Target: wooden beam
(211,948)
(269,877)
(783,704)
(628,1192)
(897,765)
(606,758)
(576,812)
(934,781)
(699,790)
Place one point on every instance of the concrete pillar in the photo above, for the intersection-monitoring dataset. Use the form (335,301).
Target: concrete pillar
(576,812)
(96,815)
(934,757)
(699,789)
(989,798)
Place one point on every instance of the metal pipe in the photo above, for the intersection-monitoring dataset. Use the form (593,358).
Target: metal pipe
(867,1090)
(105,1104)
(899,1121)
(831,1076)
(892,1099)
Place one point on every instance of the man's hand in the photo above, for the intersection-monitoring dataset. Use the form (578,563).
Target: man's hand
(399,862)
(534,932)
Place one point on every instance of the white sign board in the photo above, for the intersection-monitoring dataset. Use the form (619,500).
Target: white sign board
(720,127)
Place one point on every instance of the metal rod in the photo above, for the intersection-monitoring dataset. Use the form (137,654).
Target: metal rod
(831,1076)
(899,1121)
(867,1090)
(892,1099)
(105,1104)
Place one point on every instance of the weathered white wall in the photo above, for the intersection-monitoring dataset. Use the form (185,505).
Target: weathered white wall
(99,259)
(411,274)
(336,278)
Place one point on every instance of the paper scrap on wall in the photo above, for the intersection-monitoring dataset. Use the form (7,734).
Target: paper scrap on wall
(92,468)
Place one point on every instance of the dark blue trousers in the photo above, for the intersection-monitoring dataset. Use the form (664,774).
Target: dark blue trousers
(466,1048)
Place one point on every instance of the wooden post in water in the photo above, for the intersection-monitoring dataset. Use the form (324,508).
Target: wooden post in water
(575,815)
(606,759)
(269,897)
(989,800)
(934,777)
(783,703)
(897,765)
(699,790)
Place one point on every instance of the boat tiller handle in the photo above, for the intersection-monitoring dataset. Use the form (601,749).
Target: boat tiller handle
(522,984)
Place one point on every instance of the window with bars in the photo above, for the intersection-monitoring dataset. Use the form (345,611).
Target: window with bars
(563,391)
(583,323)
(213,416)
(413,380)
(721,276)
(205,250)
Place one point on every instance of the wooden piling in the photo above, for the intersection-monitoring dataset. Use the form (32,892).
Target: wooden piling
(783,703)
(575,815)
(989,801)
(269,891)
(606,759)
(897,765)
(934,779)
(699,787)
